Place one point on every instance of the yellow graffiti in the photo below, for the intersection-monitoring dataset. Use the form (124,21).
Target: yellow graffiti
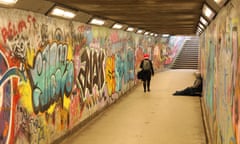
(30,56)
(70,51)
(110,75)
(66,103)
(100,32)
(26,95)
(51,108)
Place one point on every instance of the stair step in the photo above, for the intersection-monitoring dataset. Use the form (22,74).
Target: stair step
(188,58)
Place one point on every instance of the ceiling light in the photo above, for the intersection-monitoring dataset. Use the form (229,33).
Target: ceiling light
(146,33)
(155,35)
(208,12)
(62,12)
(97,21)
(8,2)
(117,26)
(130,29)
(199,29)
(165,35)
(220,2)
(197,33)
(201,26)
(140,31)
(152,34)
(203,21)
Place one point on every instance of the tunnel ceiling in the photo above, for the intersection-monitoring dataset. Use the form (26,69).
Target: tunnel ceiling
(176,17)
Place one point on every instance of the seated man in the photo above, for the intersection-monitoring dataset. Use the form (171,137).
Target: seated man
(195,90)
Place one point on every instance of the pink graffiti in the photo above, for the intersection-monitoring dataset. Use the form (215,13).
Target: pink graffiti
(114,37)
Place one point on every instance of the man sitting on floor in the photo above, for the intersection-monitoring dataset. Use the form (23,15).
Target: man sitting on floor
(194,90)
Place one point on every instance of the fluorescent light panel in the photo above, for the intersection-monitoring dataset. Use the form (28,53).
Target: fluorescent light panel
(62,12)
(140,31)
(97,21)
(146,33)
(117,26)
(199,29)
(203,21)
(208,12)
(130,29)
(8,2)
(220,2)
(201,26)
(165,35)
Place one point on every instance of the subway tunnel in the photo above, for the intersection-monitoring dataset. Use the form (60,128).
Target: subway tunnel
(68,71)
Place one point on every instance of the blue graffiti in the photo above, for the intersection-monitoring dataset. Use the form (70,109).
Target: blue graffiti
(129,66)
(12,72)
(119,71)
(51,77)
(210,77)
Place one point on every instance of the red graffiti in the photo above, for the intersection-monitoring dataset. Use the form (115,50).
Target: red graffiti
(83,28)
(31,19)
(12,30)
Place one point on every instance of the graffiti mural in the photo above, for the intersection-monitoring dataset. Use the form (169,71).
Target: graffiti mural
(55,73)
(220,64)
(91,75)
(51,76)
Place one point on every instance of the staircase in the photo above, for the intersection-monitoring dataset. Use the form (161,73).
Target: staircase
(188,58)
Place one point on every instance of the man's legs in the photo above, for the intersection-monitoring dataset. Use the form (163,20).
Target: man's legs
(186,91)
(144,85)
(148,84)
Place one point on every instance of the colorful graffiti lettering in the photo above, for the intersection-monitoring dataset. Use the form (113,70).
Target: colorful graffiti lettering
(12,30)
(91,72)
(51,76)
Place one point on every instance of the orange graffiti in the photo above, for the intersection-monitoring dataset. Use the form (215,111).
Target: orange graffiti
(110,75)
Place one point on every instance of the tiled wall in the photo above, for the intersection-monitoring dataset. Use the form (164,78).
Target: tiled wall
(220,63)
(55,73)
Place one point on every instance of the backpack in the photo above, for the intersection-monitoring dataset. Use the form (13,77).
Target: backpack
(146,65)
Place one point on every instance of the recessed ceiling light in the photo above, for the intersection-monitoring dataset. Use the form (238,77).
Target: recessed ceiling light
(97,21)
(146,33)
(165,35)
(208,12)
(140,31)
(203,21)
(8,2)
(130,29)
(62,12)
(199,29)
(117,26)
(201,26)
(220,2)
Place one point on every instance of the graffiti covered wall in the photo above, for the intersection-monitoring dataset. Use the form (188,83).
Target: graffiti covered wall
(55,73)
(220,68)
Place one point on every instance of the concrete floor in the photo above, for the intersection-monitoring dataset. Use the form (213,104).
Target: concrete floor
(154,117)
